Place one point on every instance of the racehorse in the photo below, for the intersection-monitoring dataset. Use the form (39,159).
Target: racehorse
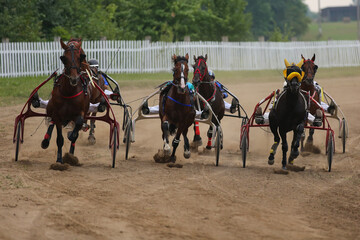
(70,96)
(176,109)
(288,114)
(308,85)
(207,88)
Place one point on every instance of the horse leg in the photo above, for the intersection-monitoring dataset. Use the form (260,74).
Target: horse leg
(284,148)
(274,147)
(74,134)
(186,145)
(310,138)
(197,138)
(302,141)
(165,136)
(59,142)
(45,142)
(175,144)
(91,138)
(295,143)
(209,135)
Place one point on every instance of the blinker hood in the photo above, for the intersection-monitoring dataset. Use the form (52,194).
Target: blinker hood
(290,72)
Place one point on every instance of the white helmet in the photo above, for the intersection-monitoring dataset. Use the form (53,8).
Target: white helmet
(93,63)
(211,73)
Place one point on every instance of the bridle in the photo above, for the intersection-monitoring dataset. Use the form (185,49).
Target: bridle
(197,70)
(303,68)
(72,50)
(212,82)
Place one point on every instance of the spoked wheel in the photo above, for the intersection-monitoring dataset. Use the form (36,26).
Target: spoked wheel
(114,146)
(17,148)
(244,147)
(127,139)
(218,145)
(343,133)
(330,150)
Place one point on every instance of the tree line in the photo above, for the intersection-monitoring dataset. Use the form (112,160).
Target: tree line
(162,20)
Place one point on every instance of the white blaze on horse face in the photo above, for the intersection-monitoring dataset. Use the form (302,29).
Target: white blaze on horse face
(182,83)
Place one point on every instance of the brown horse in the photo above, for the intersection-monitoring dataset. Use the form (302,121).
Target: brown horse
(70,96)
(310,68)
(207,88)
(175,108)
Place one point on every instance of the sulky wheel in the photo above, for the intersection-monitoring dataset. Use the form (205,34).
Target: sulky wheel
(343,133)
(114,146)
(127,139)
(244,147)
(218,145)
(330,150)
(18,132)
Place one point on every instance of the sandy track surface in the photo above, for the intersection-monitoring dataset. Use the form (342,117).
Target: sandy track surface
(141,199)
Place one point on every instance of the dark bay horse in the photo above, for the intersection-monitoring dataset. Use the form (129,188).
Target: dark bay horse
(288,114)
(70,96)
(176,109)
(310,68)
(207,88)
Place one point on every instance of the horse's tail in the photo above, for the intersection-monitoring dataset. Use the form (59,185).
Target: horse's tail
(172,129)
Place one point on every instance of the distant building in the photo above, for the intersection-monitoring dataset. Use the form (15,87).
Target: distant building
(336,14)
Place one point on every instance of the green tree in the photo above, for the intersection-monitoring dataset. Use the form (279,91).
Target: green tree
(19,20)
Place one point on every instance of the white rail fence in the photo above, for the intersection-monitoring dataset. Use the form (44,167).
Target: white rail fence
(42,58)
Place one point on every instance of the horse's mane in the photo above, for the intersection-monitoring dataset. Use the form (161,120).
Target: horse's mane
(75,40)
(180,58)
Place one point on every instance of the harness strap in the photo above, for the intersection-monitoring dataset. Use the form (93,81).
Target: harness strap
(182,104)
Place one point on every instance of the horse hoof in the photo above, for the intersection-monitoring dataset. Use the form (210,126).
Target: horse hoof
(187,154)
(45,144)
(208,147)
(92,140)
(284,168)
(167,150)
(271,161)
(173,159)
(196,143)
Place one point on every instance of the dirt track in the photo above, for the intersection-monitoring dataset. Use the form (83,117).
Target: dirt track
(141,199)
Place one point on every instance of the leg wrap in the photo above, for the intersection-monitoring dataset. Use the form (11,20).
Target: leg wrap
(196,128)
(175,143)
(273,148)
(209,133)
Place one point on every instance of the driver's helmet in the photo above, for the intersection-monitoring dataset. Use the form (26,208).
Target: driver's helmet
(93,63)
(211,73)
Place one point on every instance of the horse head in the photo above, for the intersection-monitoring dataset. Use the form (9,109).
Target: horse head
(200,70)
(72,59)
(310,68)
(293,75)
(180,72)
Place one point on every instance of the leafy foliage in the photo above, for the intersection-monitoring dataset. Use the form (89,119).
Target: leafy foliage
(162,20)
